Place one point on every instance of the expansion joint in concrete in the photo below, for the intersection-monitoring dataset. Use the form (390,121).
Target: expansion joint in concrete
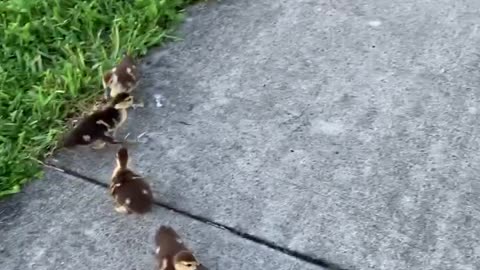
(258,240)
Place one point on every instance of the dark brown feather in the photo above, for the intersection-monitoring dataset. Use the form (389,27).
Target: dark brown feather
(123,76)
(128,185)
(89,127)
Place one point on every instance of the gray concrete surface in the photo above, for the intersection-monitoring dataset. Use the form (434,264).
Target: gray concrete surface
(65,223)
(345,130)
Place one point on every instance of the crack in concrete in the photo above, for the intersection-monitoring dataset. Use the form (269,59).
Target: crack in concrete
(258,240)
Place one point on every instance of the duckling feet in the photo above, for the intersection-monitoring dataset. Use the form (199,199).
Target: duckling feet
(108,139)
(97,145)
(121,209)
(138,105)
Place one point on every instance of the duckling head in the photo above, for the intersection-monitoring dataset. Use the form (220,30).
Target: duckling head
(122,157)
(184,260)
(114,82)
(122,101)
(109,78)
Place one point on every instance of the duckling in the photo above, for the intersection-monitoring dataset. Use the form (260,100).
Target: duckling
(95,128)
(97,105)
(171,252)
(130,192)
(122,78)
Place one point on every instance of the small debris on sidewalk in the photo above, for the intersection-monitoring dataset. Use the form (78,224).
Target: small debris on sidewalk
(141,135)
(158,100)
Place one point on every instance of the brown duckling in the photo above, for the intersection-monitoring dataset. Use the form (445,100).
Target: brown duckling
(122,78)
(171,252)
(130,192)
(96,127)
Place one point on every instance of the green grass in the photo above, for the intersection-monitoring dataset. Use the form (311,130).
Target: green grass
(52,57)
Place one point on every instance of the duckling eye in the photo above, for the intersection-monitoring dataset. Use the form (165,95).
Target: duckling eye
(189,265)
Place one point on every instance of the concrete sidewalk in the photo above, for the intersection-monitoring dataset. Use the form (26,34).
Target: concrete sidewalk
(63,222)
(347,132)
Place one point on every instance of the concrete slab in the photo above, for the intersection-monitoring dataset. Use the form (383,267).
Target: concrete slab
(63,222)
(346,131)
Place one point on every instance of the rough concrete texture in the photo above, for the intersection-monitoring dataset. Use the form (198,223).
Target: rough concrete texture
(65,223)
(345,130)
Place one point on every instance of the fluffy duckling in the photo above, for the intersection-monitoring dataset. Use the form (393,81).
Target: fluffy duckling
(122,78)
(130,192)
(171,252)
(96,127)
